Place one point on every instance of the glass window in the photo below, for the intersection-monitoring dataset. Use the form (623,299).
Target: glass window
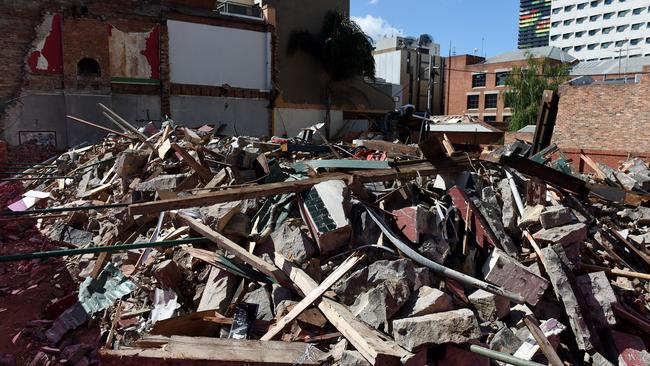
(478,80)
(647,40)
(635,41)
(594,3)
(582,6)
(637,11)
(554,37)
(579,34)
(557,10)
(608,15)
(568,8)
(593,18)
(491,100)
(581,20)
(637,26)
(592,46)
(607,2)
(621,43)
(568,21)
(622,13)
(566,49)
(566,35)
(621,28)
(578,48)
(593,31)
(472,101)
(555,24)
(501,77)
(489,118)
(605,44)
(607,30)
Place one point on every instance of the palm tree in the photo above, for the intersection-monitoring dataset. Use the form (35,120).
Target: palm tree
(342,49)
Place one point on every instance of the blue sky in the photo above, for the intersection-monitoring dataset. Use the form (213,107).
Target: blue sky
(463,22)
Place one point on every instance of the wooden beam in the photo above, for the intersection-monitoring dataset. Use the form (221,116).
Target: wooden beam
(101,127)
(126,125)
(313,295)
(548,174)
(194,351)
(592,164)
(614,272)
(374,346)
(202,171)
(239,252)
(542,341)
(271,189)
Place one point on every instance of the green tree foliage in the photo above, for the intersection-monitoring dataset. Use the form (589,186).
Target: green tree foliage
(341,47)
(526,85)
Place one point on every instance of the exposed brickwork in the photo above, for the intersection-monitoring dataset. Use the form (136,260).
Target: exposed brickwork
(458,84)
(612,158)
(85,32)
(85,38)
(604,117)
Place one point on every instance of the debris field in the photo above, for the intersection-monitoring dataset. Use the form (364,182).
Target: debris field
(188,247)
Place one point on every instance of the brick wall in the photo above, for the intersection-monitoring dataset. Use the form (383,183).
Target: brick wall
(604,117)
(459,83)
(612,158)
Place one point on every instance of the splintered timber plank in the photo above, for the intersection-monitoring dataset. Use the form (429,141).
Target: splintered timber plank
(239,252)
(375,347)
(193,351)
(271,189)
(313,295)
(202,171)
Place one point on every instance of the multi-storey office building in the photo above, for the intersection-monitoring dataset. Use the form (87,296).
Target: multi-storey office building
(534,23)
(601,29)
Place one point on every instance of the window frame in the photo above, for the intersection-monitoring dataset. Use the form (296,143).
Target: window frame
(485,100)
(476,75)
(472,96)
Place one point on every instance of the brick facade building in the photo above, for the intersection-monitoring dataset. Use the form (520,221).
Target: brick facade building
(608,122)
(151,59)
(474,85)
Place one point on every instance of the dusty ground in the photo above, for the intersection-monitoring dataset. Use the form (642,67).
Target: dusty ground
(26,290)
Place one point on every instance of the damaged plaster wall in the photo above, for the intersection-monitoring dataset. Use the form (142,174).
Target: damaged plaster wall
(242,116)
(45,112)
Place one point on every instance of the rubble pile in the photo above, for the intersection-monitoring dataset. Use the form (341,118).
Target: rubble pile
(192,246)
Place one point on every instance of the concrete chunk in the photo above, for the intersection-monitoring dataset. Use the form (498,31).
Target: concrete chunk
(362,280)
(167,182)
(377,306)
(490,209)
(426,300)
(353,358)
(555,269)
(565,235)
(531,216)
(509,208)
(507,272)
(262,298)
(218,291)
(556,216)
(505,341)
(456,326)
(489,306)
(599,297)
(293,243)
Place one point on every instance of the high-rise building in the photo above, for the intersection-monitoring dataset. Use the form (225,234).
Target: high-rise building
(415,65)
(534,23)
(601,29)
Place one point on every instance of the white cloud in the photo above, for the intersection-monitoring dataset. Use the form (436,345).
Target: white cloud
(377,27)
(373,2)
